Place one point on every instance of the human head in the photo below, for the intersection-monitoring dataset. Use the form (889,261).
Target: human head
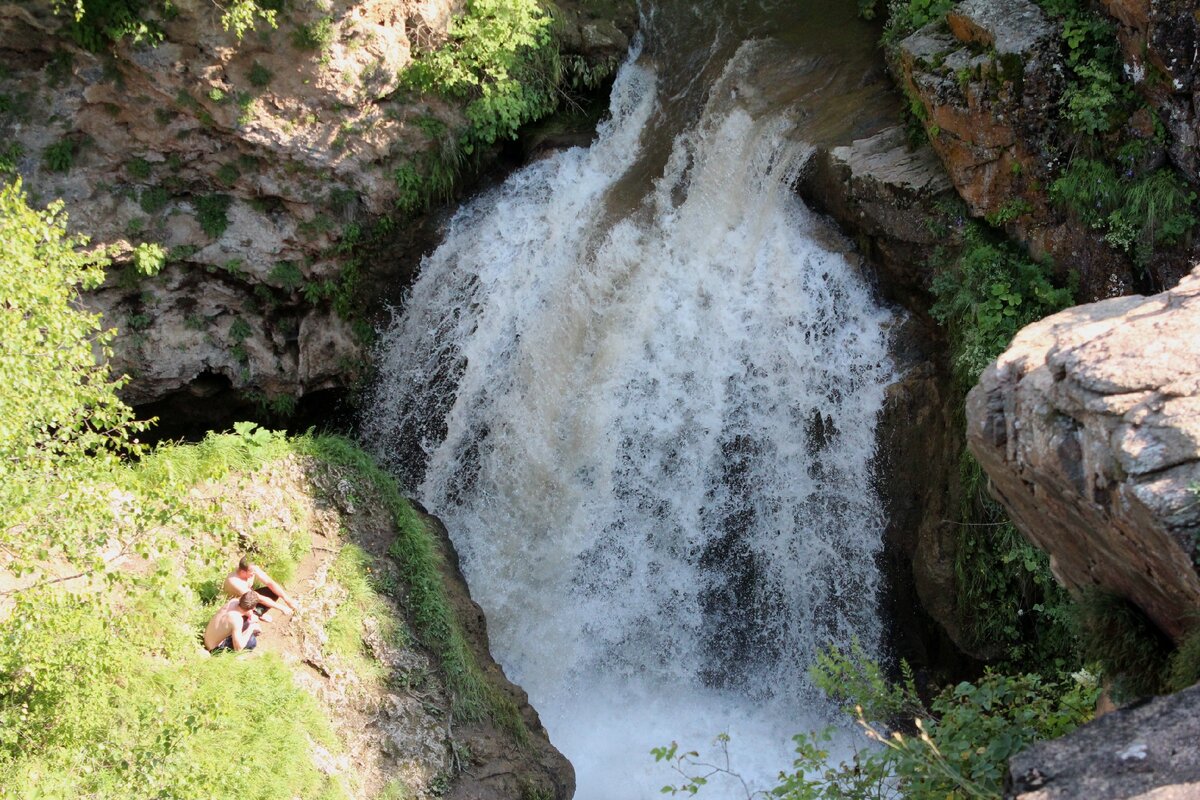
(248,601)
(243,567)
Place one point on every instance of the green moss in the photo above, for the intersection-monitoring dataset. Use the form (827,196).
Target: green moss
(1184,664)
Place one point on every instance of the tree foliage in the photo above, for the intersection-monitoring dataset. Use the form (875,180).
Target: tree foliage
(99,24)
(501,58)
(59,401)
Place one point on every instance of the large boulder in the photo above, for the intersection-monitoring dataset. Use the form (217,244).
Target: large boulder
(1089,429)
(1147,752)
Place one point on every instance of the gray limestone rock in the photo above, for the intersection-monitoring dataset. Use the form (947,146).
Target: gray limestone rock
(1147,752)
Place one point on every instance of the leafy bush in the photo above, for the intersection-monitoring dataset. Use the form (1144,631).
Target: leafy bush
(212,213)
(59,405)
(9,155)
(988,294)
(1094,102)
(317,36)
(906,16)
(149,258)
(502,59)
(59,156)
(1008,600)
(956,747)
(97,25)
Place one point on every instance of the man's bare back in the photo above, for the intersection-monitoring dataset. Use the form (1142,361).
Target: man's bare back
(233,626)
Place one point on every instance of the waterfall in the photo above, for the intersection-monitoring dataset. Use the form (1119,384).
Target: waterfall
(645,409)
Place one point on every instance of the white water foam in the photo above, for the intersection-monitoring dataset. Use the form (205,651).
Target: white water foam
(649,428)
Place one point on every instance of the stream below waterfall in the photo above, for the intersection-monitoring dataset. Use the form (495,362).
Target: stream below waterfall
(639,383)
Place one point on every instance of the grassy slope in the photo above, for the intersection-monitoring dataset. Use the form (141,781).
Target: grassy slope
(108,694)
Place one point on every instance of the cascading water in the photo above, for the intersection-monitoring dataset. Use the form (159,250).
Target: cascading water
(645,410)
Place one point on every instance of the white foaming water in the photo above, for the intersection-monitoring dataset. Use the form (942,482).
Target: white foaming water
(648,425)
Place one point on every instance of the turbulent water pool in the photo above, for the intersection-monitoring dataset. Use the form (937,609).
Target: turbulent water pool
(640,388)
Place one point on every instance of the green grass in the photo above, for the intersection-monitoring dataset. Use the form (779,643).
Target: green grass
(474,697)
(1130,650)
(102,701)
(352,570)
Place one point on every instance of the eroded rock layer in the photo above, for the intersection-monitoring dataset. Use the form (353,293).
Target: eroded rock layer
(1089,428)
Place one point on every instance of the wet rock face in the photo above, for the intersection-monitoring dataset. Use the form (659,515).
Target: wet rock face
(1089,429)
(883,193)
(1147,751)
(257,165)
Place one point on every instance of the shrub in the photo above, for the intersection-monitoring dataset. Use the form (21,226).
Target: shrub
(501,58)
(1137,214)
(149,258)
(138,168)
(212,213)
(906,16)
(10,154)
(318,36)
(259,75)
(154,199)
(228,174)
(957,746)
(286,274)
(1130,650)
(985,296)
(97,25)
(59,156)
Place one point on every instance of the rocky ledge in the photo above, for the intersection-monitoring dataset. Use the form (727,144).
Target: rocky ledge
(1147,752)
(1089,428)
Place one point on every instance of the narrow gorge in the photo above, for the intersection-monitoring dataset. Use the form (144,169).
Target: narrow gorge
(754,398)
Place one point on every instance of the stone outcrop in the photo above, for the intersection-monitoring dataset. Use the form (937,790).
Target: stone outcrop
(987,82)
(1147,752)
(884,193)
(260,166)
(1089,429)
(1160,41)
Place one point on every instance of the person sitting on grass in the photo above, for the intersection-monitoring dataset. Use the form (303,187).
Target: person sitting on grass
(270,592)
(234,627)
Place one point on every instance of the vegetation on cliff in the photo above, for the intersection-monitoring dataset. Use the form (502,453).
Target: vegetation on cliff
(111,556)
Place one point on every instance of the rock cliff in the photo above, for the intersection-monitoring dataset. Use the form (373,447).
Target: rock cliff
(988,82)
(268,169)
(1089,429)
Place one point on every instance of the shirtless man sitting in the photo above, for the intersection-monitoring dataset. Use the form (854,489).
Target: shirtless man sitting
(270,592)
(234,627)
